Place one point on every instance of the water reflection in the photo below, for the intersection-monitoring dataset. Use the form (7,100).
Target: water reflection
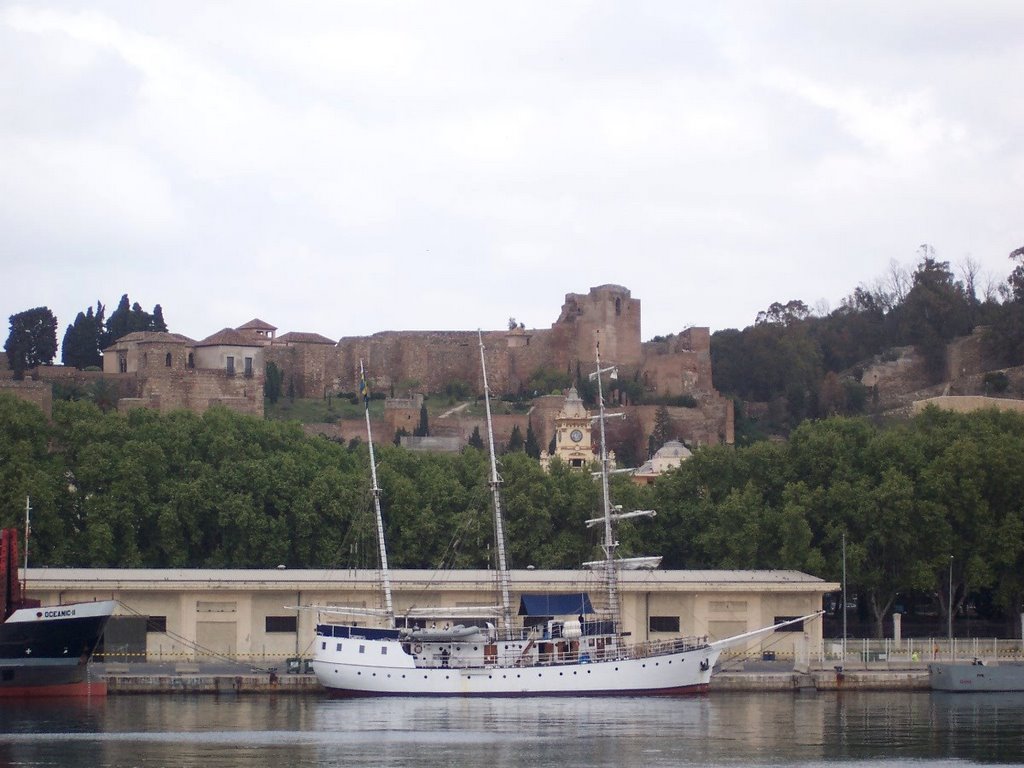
(722,729)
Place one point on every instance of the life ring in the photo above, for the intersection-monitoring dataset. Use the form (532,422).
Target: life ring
(417,649)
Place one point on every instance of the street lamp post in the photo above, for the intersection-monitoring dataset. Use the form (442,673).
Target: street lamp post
(844,597)
(950,608)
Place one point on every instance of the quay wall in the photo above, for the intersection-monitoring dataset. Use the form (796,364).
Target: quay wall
(125,683)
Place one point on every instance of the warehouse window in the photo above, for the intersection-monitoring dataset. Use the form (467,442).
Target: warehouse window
(664,624)
(795,627)
(282,624)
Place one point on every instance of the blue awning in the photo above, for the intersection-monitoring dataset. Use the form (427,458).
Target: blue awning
(555,605)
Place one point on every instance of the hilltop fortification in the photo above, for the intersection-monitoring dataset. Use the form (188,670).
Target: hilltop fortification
(431,361)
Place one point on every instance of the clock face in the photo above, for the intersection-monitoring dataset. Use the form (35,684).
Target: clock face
(575,435)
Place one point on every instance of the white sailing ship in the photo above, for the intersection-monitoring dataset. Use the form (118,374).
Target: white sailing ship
(576,650)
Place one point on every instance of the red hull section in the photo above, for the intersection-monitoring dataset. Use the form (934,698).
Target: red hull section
(66,690)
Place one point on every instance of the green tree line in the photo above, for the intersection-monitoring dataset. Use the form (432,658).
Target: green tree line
(225,490)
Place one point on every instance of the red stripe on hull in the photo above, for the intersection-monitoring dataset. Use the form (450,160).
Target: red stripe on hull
(65,690)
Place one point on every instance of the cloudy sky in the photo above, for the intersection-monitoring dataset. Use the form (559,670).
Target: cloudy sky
(349,167)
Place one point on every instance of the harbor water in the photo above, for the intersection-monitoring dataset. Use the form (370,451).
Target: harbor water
(730,729)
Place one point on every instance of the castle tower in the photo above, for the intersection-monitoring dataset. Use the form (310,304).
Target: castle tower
(610,310)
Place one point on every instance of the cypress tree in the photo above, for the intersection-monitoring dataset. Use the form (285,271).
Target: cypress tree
(515,440)
(157,323)
(423,428)
(532,447)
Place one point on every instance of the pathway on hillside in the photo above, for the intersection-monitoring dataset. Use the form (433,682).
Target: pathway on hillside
(454,410)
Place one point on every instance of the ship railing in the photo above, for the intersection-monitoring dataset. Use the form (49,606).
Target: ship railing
(664,647)
(561,656)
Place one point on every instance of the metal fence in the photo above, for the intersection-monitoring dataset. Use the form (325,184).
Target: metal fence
(864,653)
(921,650)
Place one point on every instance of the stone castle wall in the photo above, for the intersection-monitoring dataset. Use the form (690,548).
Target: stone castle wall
(428,361)
(680,365)
(312,369)
(712,422)
(402,362)
(35,392)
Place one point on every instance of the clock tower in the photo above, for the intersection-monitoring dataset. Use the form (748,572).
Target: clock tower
(572,434)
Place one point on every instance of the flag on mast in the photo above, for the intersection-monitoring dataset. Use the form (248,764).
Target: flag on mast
(364,389)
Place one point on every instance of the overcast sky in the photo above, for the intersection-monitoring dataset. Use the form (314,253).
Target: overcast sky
(350,167)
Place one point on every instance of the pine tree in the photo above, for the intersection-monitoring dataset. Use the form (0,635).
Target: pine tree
(32,341)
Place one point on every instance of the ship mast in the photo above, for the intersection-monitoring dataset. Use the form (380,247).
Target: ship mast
(385,574)
(495,484)
(610,544)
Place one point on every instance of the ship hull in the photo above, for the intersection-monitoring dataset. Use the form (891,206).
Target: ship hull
(45,651)
(682,673)
(978,678)
(38,679)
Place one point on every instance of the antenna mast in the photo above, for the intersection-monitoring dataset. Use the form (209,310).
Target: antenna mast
(495,484)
